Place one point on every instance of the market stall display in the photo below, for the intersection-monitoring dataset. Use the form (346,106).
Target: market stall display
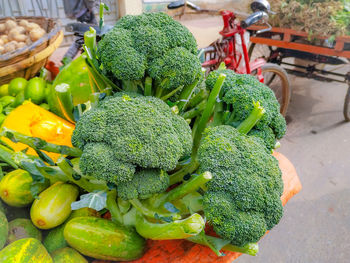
(150,154)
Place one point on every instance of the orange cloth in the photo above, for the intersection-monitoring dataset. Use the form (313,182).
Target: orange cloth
(182,251)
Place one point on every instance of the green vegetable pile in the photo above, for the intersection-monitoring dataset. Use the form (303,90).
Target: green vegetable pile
(329,18)
(162,150)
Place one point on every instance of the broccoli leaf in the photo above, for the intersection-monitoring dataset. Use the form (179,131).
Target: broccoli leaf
(95,200)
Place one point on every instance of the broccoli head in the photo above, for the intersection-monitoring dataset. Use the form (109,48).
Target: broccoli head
(119,57)
(128,131)
(243,199)
(136,42)
(144,184)
(239,93)
(178,67)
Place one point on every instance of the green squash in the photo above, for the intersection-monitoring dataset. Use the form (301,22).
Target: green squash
(103,239)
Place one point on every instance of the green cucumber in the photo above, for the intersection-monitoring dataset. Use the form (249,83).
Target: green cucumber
(22,228)
(53,206)
(103,239)
(26,250)
(67,255)
(15,188)
(55,239)
(4,228)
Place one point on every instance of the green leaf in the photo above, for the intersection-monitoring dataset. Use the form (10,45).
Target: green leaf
(95,200)
(31,168)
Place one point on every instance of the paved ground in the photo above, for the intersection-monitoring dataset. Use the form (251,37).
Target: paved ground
(316,224)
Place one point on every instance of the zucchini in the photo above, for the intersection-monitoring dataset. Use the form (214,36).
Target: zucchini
(54,205)
(4,228)
(67,255)
(22,228)
(103,239)
(26,250)
(15,188)
(55,239)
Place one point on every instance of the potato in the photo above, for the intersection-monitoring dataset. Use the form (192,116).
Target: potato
(1,42)
(2,49)
(23,23)
(10,24)
(20,38)
(11,46)
(4,38)
(31,26)
(21,45)
(16,31)
(20,29)
(2,28)
(36,34)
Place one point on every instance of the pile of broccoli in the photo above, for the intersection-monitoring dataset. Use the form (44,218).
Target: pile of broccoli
(166,169)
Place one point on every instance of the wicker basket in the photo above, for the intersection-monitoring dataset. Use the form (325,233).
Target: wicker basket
(27,61)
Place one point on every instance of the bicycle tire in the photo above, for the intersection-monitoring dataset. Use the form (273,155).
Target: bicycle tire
(346,107)
(282,92)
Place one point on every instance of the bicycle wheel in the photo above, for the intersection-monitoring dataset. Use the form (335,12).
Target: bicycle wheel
(276,78)
(259,51)
(346,109)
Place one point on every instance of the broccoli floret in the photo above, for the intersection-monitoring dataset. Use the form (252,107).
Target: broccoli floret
(266,135)
(243,199)
(229,81)
(144,184)
(131,130)
(178,67)
(239,93)
(119,57)
(150,45)
(279,126)
(100,161)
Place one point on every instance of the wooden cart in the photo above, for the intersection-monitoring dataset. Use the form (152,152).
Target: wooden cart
(282,43)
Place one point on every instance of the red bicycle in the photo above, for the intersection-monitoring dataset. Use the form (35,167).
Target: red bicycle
(232,49)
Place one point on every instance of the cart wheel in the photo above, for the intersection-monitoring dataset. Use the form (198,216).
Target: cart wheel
(277,79)
(259,51)
(346,109)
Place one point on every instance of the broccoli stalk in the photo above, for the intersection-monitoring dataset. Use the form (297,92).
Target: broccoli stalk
(184,189)
(249,249)
(178,229)
(202,123)
(40,144)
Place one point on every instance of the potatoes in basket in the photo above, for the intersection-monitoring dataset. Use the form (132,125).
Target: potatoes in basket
(16,34)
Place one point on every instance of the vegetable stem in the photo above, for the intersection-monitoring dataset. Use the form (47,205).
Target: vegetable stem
(178,229)
(255,115)
(184,189)
(113,207)
(151,213)
(186,95)
(148,86)
(207,112)
(40,144)
(250,248)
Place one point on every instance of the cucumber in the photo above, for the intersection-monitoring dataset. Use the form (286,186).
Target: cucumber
(55,239)
(4,228)
(54,205)
(26,250)
(15,188)
(67,255)
(22,228)
(103,239)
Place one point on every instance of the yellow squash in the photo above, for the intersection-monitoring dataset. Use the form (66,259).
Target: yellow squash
(32,120)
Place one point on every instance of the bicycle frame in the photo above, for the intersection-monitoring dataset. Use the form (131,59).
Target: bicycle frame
(226,51)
